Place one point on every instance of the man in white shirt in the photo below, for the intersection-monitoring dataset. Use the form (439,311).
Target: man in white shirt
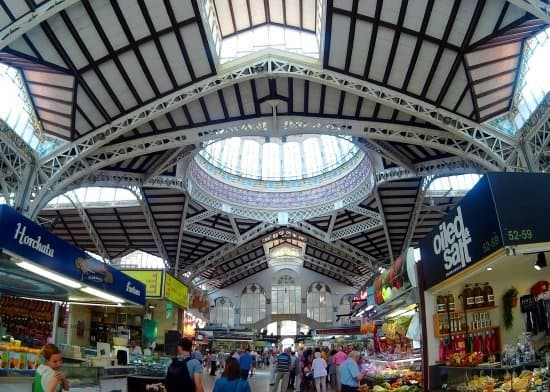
(135,349)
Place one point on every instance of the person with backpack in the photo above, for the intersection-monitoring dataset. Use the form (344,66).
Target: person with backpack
(184,373)
(231,380)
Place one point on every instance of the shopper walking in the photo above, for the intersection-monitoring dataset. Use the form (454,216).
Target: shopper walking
(319,372)
(272,367)
(337,360)
(231,380)
(245,361)
(213,362)
(184,374)
(283,371)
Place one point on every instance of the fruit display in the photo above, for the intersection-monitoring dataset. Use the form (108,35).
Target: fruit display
(389,282)
(526,381)
(463,359)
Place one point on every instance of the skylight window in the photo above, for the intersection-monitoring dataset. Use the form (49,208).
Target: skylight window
(95,197)
(534,79)
(17,111)
(453,185)
(278,37)
(141,260)
(279,159)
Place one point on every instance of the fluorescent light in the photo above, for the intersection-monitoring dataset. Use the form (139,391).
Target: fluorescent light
(101,294)
(489,268)
(49,274)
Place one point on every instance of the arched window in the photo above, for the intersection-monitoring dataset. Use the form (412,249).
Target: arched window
(344,307)
(223,313)
(319,302)
(285,296)
(252,304)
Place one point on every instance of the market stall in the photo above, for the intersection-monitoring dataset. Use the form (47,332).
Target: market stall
(390,328)
(40,275)
(474,263)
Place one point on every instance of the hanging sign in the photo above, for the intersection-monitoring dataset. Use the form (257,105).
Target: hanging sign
(24,238)
(469,233)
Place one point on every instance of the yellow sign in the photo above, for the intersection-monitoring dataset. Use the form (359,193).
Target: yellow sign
(151,279)
(175,291)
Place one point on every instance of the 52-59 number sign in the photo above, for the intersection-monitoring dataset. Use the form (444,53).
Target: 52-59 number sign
(520,235)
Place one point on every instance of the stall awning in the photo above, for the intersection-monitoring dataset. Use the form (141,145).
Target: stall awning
(57,269)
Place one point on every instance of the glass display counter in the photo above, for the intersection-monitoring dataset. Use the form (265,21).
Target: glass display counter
(393,374)
(526,377)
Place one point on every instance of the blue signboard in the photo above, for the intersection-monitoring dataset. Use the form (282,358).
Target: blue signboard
(23,237)
(469,233)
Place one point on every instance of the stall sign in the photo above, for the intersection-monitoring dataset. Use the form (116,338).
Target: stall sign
(152,279)
(469,233)
(26,239)
(521,201)
(175,291)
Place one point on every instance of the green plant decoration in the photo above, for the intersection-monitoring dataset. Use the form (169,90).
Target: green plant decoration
(509,301)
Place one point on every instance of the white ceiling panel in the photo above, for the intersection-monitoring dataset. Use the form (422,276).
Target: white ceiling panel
(461,24)
(439,17)
(384,41)
(44,47)
(488,20)
(363,32)
(366,7)
(440,75)
(390,11)
(68,42)
(405,49)
(197,114)
(175,59)
(87,32)
(110,24)
(340,34)
(135,20)
(101,93)
(423,65)
(118,85)
(314,100)
(414,15)
(183,10)
(230,99)
(240,14)
(88,107)
(276,13)
(151,56)
(136,75)
(158,14)
(194,45)
(214,107)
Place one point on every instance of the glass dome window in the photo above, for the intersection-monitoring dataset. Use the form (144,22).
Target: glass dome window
(280,159)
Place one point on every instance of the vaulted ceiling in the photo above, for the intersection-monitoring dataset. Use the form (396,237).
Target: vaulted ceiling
(135,87)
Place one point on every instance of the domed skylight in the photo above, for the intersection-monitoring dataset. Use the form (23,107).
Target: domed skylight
(280,159)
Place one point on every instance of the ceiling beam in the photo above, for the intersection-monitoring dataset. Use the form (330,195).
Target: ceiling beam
(149,218)
(32,19)
(180,234)
(537,8)
(88,224)
(383,219)
(360,227)
(63,162)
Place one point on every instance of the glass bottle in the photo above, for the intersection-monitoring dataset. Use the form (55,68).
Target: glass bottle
(451,302)
(488,295)
(468,297)
(478,296)
(441,304)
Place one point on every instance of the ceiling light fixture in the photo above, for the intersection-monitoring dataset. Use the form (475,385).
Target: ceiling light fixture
(541,261)
(49,274)
(101,294)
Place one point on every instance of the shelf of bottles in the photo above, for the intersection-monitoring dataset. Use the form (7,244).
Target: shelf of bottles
(468,330)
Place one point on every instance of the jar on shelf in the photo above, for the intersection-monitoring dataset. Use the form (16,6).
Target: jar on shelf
(451,302)
(489,297)
(478,296)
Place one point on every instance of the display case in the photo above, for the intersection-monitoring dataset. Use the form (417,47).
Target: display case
(528,377)
(392,373)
